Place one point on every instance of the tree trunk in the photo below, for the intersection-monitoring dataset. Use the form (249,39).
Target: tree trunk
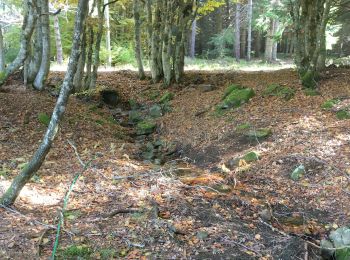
(193,39)
(249,19)
(108,34)
(59,51)
(137,35)
(156,49)
(97,45)
(237,32)
(45,58)
(275,43)
(167,44)
(2,56)
(87,79)
(243,42)
(78,82)
(39,156)
(27,31)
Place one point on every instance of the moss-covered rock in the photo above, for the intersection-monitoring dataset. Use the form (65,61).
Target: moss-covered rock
(329,104)
(311,92)
(134,116)
(260,133)
(343,114)
(297,173)
(338,245)
(243,127)
(44,118)
(236,97)
(167,96)
(279,91)
(145,128)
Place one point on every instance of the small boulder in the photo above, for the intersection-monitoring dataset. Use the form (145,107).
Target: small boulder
(236,97)
(261,133)
(251,157)
(298,173)
(155,111)
(134,116)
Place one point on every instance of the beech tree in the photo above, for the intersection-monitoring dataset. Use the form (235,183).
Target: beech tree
(39,156)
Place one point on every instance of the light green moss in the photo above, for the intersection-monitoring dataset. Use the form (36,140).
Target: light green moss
(229,90)
(311,92)
(167,96)
(236,98)
(44,118)
(243,127)
(77,252)
(329,104)
(251,157)
(260,133)
(279,91)
(308,80)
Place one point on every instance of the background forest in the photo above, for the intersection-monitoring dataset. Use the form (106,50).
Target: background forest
(178,129)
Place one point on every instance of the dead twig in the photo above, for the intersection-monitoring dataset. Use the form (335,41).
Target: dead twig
(123,211)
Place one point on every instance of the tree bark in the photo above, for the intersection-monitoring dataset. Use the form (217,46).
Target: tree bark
(78,82)
(45,58)
(237,32)
(108,34)
(59,51)
(27,31)
(193,39)
(137,35)
(2,56)
(249,19)
(39,156)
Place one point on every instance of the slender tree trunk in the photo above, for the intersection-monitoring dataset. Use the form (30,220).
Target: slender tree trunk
(257,45)
(275,43)
(243,42)
(33,61)
(193,39)
(108,34)
(59,51)
(97,45)
(87,79)
(137,35)
(238,32)
(39,156)
(27,31)
(249,19)
(45,59)
(156,49)
(149,27)
(2,56)
(269,43)
(78,82)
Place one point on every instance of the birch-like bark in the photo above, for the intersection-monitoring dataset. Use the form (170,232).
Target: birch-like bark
(45,58)
(59,50)
(108,34)
(137,36)
(249,19)
(39,156)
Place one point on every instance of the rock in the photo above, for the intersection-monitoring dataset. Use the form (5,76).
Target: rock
(110,97)
(236,97)
(155,111)
(279,91)
(167,96)
(232,163)
(201,235)
(206,87)
(265,215)
(260,133)
(145,128)
(339,239)
(134,116)
(298,173)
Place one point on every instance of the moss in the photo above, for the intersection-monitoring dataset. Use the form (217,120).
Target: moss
(107,253)
(155,111)
(308,79)
(133,104)
(311,92)
(229,90)
(236,98)
(167,96)
(77,251)
(134,116)
(343,114)
(329,104)
(44,118)
(251,157)
(145,128)
(260,133)
(279,91)
(242,127)
(99,122)
(2,76)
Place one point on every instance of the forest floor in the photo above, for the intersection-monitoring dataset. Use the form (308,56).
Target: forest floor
(192,198)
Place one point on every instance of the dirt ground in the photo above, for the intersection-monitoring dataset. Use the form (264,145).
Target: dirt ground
(192,206)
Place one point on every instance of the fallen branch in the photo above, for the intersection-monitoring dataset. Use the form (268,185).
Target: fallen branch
(122,211)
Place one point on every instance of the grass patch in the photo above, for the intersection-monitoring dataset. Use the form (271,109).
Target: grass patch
(44,119)
(77,252)
(329,104)
(343,115)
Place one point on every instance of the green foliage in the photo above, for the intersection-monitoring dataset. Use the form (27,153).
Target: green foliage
(222,43)
(145,127)
(77,251)
(209,6)
(121,54)
(243,127)
(12,43)
(279,91)
(329,104)
(107,253)
(236,97)
(44,118)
